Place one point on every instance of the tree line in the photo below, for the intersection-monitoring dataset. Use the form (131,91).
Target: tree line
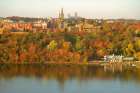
(70,46)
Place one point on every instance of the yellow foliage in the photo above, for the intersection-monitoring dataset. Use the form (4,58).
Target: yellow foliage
(138,43)
(52,45)
(130,50)
(138,55)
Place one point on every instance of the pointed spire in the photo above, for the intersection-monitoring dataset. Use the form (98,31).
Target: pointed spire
(61,10)
(62,14)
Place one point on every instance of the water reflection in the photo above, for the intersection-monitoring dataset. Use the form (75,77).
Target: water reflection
(68,77)
(62,73)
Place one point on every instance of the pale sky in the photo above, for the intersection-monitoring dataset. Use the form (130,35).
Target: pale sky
(85,8)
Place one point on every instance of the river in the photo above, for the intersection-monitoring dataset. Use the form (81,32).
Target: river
(68,79)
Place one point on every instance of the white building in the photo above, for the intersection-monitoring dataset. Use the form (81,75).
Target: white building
(113,58)
(117,58)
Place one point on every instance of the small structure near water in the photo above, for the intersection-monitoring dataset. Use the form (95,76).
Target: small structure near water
(117,58)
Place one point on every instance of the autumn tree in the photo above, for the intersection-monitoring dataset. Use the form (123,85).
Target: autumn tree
(52,45)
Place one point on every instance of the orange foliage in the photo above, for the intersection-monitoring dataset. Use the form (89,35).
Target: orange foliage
(22,56)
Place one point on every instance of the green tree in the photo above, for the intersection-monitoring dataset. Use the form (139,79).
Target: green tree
(79,45)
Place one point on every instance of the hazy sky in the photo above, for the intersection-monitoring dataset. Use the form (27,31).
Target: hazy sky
(85,8)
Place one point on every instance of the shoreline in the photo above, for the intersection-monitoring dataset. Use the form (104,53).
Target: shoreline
(94,63)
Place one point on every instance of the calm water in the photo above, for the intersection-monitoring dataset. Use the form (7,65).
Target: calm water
(68,79)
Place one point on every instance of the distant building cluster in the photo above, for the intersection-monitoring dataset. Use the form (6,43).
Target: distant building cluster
(37,25)
(72,23)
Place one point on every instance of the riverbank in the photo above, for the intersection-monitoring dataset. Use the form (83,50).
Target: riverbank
(94,63)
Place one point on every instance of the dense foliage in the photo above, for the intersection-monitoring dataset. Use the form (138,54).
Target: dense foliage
(69,46)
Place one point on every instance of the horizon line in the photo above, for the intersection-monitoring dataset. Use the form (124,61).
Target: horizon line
(72,17)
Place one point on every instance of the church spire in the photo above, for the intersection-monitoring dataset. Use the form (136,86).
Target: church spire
(62,14)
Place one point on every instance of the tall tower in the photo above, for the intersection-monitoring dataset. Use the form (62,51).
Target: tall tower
(75,15)
(61,22)
(62,14)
